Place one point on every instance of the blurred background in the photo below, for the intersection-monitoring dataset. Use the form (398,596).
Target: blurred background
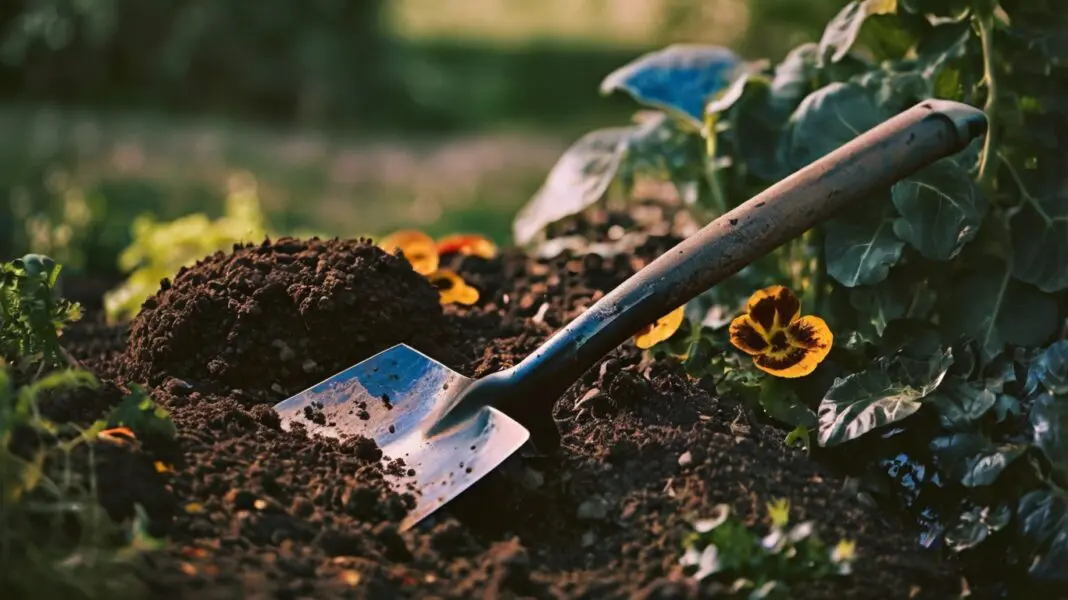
(343,117)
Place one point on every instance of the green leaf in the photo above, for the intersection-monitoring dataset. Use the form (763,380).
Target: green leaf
(842,31)
(943,46)
(1042,518)
(143,416)
(1051,368)
(1040,237)
(961,403)
(941,208)
(938,10)
(972,459)
(828,118)
(878,396)
(578,180)
(678,79)
(899,297)
(990,307)
(860,245)
(782,403)
(1049,419)
(977,524)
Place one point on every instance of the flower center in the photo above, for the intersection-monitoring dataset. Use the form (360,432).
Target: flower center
(779,341)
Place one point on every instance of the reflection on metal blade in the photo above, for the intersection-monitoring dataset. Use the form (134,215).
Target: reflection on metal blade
(391,398)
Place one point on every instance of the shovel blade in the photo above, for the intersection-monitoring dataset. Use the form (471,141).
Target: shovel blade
(392,398)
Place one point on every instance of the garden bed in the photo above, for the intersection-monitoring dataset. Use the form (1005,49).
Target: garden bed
(252,511)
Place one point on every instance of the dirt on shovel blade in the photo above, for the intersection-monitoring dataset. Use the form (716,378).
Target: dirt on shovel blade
(251,511)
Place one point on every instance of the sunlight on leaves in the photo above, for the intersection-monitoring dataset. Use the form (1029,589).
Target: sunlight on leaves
(678,79)
(884,394)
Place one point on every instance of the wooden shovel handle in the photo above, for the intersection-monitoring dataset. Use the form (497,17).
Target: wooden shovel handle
(868,164)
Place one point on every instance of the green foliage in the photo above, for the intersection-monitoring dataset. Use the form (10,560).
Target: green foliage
(143,416)
(946,293)
(159,250)
(745,564)
(56,540)
(32,314)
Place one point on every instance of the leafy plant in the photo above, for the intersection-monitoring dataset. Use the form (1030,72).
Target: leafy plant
(947,292)
(746,564)
(31,312)
(56,540)
(159,249)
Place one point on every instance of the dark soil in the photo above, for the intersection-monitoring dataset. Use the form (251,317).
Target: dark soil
(264,513)
(276,317)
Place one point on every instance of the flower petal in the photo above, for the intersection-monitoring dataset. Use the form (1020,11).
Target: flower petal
(467,244)
(453,288)
(661,329)
(791,363)
(745,337)
(771,306)
(418,247)
(811,333)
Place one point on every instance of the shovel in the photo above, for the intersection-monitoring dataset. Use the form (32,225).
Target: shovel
(450,431)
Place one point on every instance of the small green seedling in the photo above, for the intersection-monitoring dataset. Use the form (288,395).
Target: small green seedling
(724,553)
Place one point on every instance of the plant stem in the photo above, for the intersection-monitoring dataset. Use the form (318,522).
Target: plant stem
(986,162)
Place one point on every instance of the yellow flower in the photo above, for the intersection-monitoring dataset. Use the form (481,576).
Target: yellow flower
(467,244)
(418,247)
(453,288)
(660,330)
(845,551)
(779,512)
(780,340)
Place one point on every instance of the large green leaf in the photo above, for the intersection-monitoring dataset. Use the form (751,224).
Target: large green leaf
(960,403)
(1040,236)
(898,297)
(828,118)
(878,396)
(941,208)
(972,459)
(860,245)
(841,33)
(990,307)
(975,525)
(579,179)
(1049,419)
(678,79)
(1051,368)
(1042,518)
(781,402)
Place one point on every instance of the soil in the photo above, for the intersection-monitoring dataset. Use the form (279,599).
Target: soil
(256,512)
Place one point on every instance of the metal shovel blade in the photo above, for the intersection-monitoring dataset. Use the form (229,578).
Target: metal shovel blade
(390,398)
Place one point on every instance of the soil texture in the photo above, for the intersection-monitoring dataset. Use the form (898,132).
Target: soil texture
(257,512)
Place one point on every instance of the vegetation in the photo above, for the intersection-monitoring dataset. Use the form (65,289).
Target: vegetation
(159,249)
(56,540)
(946,294)
(744,564)
(31,314)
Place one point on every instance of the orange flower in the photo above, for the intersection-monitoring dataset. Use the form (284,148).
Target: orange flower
(467,244)
(418,247)
(661,329)
(117,435)
(453,288)
(780,340)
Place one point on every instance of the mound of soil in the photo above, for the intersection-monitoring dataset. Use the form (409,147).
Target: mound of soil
(279,316)
(275,514)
